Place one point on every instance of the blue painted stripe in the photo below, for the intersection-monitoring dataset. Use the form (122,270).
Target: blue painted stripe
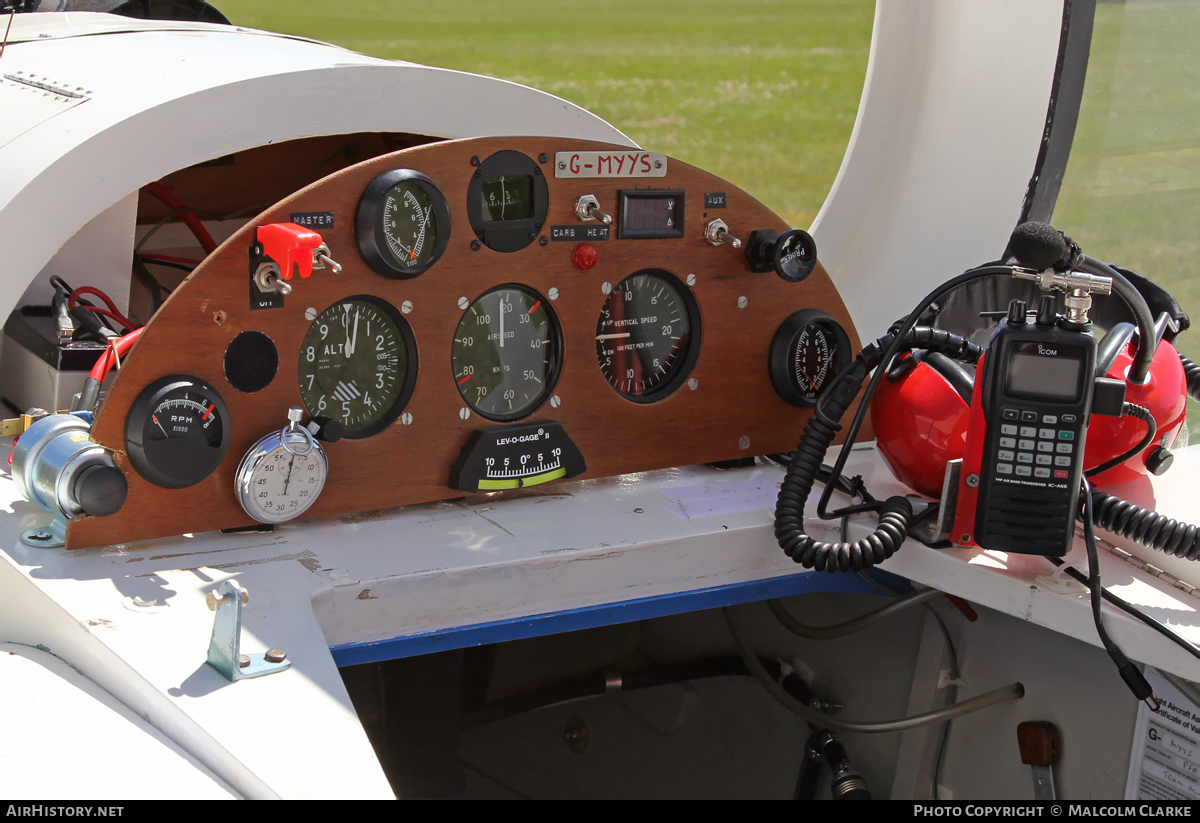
(590,617)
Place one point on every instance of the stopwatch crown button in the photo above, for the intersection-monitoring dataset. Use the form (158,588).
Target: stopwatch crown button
(295,414)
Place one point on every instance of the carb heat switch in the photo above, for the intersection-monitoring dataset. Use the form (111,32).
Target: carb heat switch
(513,457)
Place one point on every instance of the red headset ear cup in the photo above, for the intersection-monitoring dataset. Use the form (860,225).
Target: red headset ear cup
(920,423)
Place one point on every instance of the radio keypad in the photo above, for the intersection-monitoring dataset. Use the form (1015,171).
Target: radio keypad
(1052,445)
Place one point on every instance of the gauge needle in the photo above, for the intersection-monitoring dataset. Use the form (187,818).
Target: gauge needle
(160,426)
(501,324)
(614,336)
(354,339)
(289,475)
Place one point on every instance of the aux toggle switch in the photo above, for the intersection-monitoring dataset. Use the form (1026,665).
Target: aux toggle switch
(717,232)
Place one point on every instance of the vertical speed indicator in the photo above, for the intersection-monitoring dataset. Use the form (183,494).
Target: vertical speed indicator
(506,353)
(647,337)
(358,364)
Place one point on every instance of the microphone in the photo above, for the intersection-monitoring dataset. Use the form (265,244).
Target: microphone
(1040,246)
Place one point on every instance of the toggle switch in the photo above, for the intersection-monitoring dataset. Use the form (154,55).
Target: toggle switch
(717,232)
(587,208)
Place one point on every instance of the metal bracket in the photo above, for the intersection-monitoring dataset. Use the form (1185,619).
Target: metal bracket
(225,648)
(46,537)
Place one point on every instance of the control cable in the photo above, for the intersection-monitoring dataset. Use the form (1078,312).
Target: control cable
(1133,678)
(1129,410)
(849,627)
(1012,691)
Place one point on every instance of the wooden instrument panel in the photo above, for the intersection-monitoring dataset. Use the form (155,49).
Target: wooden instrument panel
(727,409)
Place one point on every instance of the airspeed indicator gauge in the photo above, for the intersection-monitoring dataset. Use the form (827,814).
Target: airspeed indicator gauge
(506,353)
(402,224)
(358,365)
(809,349)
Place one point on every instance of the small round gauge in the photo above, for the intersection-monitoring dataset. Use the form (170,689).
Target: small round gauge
(177,431)
(281,475)
(648,336)
(507,351)
(402,224)
(809,349)
(358,365)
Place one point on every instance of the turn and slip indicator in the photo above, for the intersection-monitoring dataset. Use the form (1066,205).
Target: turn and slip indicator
(512,457)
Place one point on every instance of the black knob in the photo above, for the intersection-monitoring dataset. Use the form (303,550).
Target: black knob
(760,250)
(795,255)
(1047,310)
(1159,460)
(100,490)
(327,429)
(1016,313)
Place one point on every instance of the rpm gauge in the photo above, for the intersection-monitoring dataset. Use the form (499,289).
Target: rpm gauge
(507,351)
(177,431)
(647,337)
(402,224)
(358,365)
(809,349)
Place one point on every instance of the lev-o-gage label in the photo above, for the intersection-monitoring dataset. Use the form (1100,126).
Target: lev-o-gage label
(631,163)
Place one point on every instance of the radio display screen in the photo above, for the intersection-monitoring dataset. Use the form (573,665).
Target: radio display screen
(1040,376)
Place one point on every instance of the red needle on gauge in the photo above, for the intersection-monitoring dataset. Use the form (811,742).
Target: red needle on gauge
(154,417)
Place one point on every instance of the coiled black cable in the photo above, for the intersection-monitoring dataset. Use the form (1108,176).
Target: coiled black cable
(1191,374)
(1144,526)
(895,513)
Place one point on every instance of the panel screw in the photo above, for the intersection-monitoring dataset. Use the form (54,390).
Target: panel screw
(463,303)
(310,313)
(606,287)
(406,306)
(40,535)
(464,413)
(474,161)
(744,442)
(531,235)
(552,294)
(406,419)
(476,245)
(742,301)
(555,402)
(543,240)
(639,511)
(966,538)
(972,480)
(243,661)
(219,317)
(691,279)
(693,384)
(576,734)
(543,158)
(275,656)
(562,164)
(658,164)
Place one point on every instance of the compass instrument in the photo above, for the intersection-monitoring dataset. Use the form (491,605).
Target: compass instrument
(358,365)
(647,337)
(402,224)
(282,474)
(808,350)
(507,201)
(507,352)
(177,431)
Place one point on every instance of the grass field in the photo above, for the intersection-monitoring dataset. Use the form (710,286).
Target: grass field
(1131,193)
(762,93)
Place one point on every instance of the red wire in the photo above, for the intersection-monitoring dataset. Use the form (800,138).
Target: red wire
(112,312)
(169,259)
(193,222)
(105,361)
(122,320)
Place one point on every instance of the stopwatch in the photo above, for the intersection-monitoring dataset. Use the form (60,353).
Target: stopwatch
(282,474)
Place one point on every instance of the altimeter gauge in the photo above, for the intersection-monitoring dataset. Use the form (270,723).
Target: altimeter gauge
(358,365)
(282,474)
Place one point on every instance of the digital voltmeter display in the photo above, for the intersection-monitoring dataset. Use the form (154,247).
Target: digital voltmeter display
(648,214)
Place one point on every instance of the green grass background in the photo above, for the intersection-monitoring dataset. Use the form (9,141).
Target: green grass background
(762,93)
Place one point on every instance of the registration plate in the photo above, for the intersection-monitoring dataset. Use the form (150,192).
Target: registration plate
(610,164)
